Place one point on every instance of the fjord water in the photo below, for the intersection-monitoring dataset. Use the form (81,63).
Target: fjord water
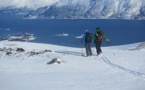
(51,30)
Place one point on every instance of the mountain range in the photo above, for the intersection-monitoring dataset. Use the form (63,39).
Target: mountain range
(89,9)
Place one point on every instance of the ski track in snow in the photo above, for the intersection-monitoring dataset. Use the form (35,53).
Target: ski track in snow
(138,74)
(108,62)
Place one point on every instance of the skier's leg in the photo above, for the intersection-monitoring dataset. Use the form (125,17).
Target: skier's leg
(97,48)
(87,49)
(90,50)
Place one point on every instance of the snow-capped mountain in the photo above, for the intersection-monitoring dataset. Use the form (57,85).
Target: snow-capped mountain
(34,4)
(15,11)
(22,6)
(126,9)
(81,9)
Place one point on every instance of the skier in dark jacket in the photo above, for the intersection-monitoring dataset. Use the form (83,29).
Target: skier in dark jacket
(98,38)
(88,42)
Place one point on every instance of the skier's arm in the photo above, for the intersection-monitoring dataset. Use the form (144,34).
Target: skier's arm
(105,38)
(95,36)
(83,39)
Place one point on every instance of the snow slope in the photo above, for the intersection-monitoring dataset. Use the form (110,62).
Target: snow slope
(119,68)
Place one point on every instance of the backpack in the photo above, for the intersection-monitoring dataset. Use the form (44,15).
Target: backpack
(99,36)
(88,37)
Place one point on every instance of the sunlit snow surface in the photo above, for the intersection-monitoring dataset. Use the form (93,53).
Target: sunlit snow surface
(119,67)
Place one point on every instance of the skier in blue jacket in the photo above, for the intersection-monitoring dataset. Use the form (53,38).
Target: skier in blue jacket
(87,38)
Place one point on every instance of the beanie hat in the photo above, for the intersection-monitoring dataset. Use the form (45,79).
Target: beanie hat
(86,30)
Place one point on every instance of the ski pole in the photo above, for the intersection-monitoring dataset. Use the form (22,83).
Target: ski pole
(111,48)
(82,48)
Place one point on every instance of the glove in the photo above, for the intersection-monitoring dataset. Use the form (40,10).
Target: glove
(107,40)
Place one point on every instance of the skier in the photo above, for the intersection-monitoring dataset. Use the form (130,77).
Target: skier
(87,38)
(98,38)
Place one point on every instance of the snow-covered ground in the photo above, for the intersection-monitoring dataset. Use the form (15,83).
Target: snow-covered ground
(119,68)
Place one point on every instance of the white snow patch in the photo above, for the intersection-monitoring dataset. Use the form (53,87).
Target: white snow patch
(81,36)
(63,34)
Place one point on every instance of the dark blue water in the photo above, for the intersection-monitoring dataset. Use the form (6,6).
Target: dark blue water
(118,31)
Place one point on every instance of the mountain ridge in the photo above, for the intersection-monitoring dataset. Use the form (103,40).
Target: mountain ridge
(88,9)
(92,9)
